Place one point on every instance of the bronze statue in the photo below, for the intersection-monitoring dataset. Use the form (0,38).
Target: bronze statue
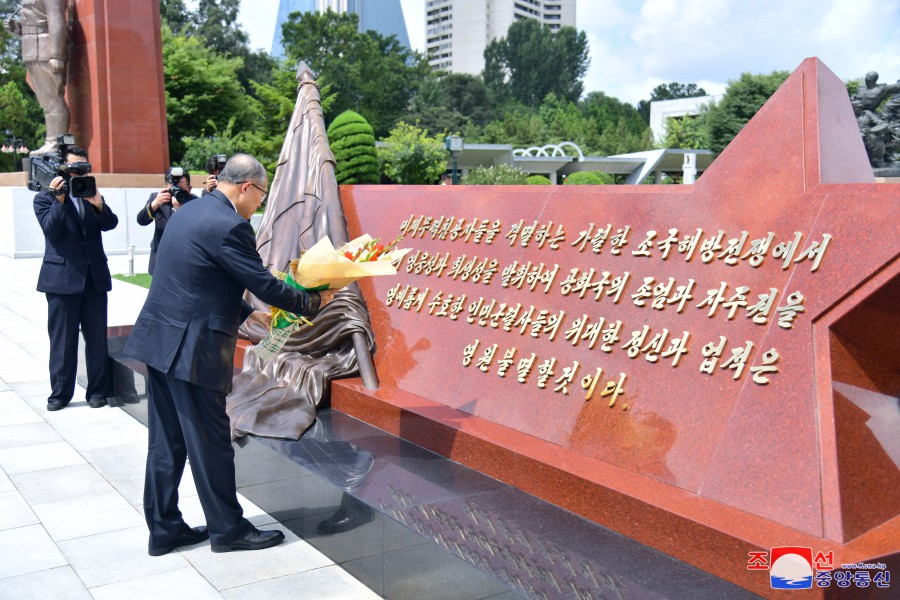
(279,398)
(873,130)
(877,109)
(44,31)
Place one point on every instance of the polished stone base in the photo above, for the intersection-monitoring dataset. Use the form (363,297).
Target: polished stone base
(414,524)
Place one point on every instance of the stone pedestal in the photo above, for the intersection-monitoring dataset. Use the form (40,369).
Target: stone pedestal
(115,90)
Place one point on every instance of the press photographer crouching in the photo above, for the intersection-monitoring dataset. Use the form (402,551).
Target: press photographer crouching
(74,273)
(163,204)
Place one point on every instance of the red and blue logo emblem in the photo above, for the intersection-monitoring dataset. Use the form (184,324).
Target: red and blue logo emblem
(791,568)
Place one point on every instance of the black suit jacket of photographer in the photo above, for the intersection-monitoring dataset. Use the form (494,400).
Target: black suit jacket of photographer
(161,219)
(72,245)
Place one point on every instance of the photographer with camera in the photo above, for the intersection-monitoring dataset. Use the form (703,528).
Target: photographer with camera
(163,204)
(214,166)
(74,274)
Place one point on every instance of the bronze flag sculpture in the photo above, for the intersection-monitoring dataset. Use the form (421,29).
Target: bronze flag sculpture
(279,398)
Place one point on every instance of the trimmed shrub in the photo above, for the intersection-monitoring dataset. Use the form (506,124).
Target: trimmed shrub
(352,141)
(495,175)
(537,180)
(410,156)
(589,178)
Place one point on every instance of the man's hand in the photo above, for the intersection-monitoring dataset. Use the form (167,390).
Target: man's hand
(263,316)
(96,201)
(56,188)
(162,197)
(326,296)
(211,183)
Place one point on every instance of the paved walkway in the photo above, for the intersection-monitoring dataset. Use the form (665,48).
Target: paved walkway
(71,484)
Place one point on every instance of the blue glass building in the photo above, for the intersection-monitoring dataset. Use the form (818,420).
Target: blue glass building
(383,16)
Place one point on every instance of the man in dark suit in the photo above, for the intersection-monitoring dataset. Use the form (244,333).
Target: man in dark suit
(162,205)
(186,334)
(75,278)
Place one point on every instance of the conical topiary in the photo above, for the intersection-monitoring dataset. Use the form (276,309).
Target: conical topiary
(352,141)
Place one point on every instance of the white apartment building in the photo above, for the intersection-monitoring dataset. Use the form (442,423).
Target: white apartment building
(458,31)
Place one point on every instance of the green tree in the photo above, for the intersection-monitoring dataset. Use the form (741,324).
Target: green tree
(669,91)
(589,178)
(176,15)
(600,125)
(687,132)
(495,175)
(618,127)
(537,180)
(411,156)
(200,147)
(533,60)
(202,91)
(742,99)
(520,126)
(217,22)
(353,142)
(366,72)
(451,102)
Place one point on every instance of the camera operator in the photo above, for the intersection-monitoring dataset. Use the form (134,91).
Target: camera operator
(214,166)
(163,204)
(75,277)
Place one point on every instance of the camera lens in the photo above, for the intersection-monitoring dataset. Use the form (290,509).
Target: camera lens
(83,187)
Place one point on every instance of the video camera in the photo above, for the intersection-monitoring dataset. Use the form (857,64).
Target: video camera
(216,163)
(48,167)
(172,177)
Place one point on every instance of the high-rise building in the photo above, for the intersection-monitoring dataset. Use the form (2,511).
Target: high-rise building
(383,16)
(285,8)
(458,31)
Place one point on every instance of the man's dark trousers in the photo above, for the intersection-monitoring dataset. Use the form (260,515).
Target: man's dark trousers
(65,313)
(184,418)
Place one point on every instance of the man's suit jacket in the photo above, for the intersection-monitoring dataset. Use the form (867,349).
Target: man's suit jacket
(72,245)
(160,218)
(189,324)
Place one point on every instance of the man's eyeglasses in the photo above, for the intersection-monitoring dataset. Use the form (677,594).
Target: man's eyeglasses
(265,194)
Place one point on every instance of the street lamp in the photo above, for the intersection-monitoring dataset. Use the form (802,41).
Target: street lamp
(454,145)
(13,145)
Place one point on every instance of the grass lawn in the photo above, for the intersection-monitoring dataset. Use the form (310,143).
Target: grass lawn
(141,279)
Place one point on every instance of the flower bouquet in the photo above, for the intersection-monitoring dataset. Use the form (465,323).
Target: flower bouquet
(324,267)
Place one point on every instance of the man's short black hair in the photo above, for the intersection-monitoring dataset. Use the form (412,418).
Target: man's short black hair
(77,151)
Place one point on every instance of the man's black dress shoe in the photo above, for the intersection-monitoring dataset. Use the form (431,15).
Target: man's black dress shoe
(56,404)
(96,402)
(255,540)
(188,538)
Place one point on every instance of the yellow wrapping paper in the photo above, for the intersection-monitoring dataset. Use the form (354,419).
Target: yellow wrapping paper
(324,267)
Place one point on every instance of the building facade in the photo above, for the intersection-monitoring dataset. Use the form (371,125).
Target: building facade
(383,16)
(458,31)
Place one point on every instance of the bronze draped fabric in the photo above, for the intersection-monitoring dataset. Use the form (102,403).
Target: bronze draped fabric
(279,399)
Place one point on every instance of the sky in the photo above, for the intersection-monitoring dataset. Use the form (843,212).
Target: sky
(636,45)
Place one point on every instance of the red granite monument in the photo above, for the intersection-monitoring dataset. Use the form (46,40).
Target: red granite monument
(712,370)
(115,89)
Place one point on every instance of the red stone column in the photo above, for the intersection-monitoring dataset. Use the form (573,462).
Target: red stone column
(115,88)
